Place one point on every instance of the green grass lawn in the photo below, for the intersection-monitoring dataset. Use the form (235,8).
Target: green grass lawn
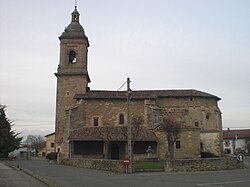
(149,164)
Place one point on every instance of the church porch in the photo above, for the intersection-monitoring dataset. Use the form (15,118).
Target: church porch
(95,143)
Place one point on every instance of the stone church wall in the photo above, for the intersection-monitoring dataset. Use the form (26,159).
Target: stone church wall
(107,111)
(153,111)
(212,142)
(189,144)
(196,112)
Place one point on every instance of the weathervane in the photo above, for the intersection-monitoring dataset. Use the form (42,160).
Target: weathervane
(75,4)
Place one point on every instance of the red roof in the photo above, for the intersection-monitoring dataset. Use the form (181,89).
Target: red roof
(242,133)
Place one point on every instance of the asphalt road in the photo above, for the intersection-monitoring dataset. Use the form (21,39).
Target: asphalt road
(60,175)
(14,178)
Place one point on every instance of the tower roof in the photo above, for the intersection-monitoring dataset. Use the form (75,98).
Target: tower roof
(74,29)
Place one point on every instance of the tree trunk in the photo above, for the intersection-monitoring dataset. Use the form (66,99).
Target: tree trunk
(106,151)
(170,154)
(171,150)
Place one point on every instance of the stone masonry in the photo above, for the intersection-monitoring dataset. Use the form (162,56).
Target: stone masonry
(78,107)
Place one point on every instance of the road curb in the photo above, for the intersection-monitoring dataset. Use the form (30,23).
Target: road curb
(43,180)
(30,173)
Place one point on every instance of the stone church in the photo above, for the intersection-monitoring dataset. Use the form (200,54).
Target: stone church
(91,123)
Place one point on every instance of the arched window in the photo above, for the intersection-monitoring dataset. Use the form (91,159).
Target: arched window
(72,57)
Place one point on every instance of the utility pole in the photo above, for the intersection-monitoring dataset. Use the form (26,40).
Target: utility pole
(129,91)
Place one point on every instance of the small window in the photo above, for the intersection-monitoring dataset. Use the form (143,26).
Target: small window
(178,144)
(67,93)
(227,151)
(201,146)
(227,143)
(52,145)
(72,57)
(207,115)
(191,98)
(196,124)
(75,17)
(95,121)
(121,119)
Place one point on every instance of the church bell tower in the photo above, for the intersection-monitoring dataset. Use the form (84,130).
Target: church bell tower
(72,75)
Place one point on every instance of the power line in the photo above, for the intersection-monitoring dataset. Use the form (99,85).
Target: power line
(109,97)
(122,86)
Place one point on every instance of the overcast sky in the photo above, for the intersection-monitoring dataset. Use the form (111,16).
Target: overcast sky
(160,44)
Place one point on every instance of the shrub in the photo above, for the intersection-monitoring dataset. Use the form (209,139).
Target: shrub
(51,156)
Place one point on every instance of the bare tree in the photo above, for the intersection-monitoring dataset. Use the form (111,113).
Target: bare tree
(105,133)
(172,129)
(35,142)
(136,123)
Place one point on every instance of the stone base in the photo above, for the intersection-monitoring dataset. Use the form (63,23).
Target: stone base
(205,164)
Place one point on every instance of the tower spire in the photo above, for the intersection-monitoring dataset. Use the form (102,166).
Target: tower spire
(75,4)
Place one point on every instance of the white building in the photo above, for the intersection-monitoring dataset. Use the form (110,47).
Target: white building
(236,141)
(20,153)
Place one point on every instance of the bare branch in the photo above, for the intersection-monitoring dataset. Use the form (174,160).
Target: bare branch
(35,142)
(172,129)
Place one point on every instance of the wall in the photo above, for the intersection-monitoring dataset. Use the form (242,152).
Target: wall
(107,111)
(228,146)
(50,139)
(189,144)
(205,164)
(212,142)
(42,152)
(202,113)
(20,153)
(96,164)
(184,110)
(71,79)
(240,144)
(234,145)
(196,112)
(191,112)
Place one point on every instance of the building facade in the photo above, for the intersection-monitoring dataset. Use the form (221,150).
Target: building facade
(236,141)
(91,123)
(50,143)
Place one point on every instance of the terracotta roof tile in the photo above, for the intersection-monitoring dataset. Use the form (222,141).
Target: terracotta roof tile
(117,134)
(242,133)
(143,94)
